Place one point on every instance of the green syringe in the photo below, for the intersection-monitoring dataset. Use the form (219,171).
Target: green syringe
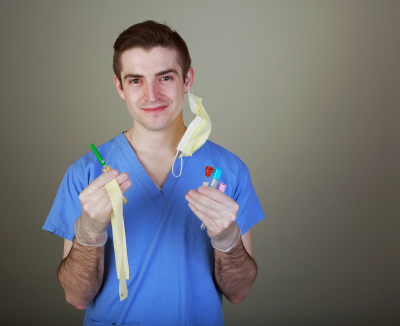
(105,166)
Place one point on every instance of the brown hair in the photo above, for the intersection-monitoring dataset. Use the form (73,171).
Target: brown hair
(147,35)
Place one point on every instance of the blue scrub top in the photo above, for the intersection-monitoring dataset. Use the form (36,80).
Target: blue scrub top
(171,259)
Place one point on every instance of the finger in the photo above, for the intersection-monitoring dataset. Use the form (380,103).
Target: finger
(100,181)
(125,185)
(97,195)
(207,222)
(102,193)
(217,196)
(207,201)
(211,214)
(122,177)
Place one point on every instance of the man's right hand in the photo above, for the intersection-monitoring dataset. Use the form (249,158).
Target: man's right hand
(96,207)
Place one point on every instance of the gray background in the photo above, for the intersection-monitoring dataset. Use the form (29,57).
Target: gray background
(306,93)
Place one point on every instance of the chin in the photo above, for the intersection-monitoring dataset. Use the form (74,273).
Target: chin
(160,124)
(156,126)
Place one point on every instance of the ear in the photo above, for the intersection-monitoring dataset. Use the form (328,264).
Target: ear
(119,88)
(189,80)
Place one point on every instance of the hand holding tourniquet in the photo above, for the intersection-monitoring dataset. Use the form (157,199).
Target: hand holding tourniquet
(218,212)
(91,227)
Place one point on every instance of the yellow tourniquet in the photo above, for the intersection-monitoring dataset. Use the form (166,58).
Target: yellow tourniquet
(118,230)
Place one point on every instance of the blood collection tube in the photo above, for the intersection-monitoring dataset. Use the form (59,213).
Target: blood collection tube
(215,177)
(221,187)
(207,176)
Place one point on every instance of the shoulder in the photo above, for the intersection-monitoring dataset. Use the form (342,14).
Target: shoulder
(221,151)
(221,154)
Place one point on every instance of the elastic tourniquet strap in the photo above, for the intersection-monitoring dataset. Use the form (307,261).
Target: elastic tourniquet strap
(118,231)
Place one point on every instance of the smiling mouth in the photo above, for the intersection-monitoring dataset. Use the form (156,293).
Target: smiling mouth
(156,110)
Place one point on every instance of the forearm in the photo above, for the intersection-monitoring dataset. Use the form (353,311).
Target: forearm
(235,272)
(81,274)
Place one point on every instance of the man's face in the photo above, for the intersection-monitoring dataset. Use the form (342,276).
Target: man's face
(153,86)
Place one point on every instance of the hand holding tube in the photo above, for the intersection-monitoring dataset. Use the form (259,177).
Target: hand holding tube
(91,227)
(221,187)
(218,212)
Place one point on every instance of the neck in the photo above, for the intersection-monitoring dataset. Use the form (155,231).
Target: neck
(160,142)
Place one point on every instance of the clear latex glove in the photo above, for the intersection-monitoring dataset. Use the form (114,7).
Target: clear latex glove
(91,227)
(218,212)
(228,242)
(87,236)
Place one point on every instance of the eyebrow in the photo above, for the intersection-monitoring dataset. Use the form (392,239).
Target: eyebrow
(167,72)
(164,72)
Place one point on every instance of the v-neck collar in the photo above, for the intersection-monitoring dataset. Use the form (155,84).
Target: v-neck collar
(160,197)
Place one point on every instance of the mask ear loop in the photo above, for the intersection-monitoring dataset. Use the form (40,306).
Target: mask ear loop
(173,163)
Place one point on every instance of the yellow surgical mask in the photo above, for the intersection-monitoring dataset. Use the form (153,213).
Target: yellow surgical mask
(196,133)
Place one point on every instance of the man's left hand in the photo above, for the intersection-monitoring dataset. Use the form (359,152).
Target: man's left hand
(216,210)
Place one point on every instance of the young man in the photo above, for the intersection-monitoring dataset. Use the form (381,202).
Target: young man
(177,271)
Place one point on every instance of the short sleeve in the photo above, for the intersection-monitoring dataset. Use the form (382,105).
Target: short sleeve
(66,207)
(250,210)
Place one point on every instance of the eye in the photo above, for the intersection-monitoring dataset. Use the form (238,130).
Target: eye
(166,78)
(134,81)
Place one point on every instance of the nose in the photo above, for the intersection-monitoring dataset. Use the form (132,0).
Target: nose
(151,91)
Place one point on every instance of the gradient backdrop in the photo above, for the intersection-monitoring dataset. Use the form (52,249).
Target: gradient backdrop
(306,93)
